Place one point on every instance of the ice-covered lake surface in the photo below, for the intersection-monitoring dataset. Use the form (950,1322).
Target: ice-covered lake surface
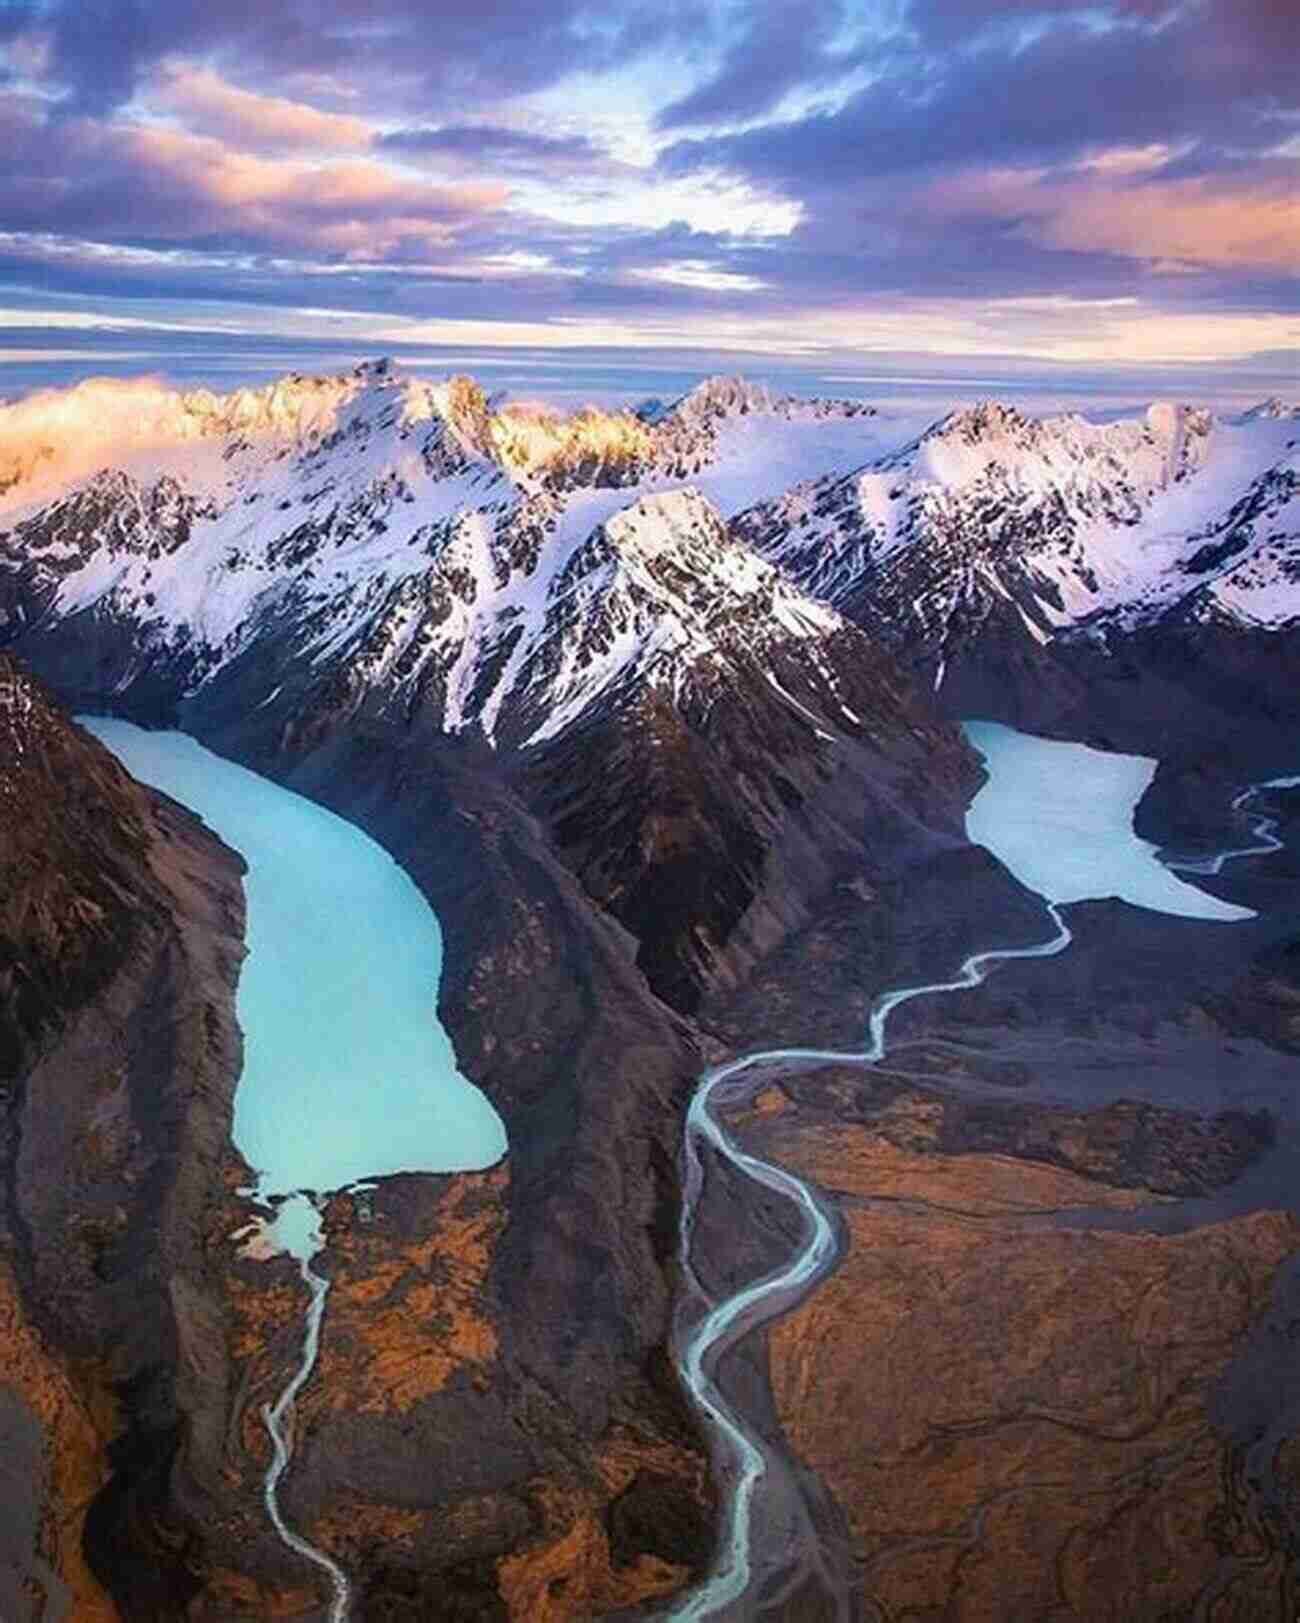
(348,1073)
(1060,817)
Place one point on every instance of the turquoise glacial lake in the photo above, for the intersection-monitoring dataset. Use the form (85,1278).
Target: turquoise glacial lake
(348,1073)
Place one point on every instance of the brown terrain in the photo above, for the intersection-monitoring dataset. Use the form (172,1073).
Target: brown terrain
(55,1427)
(1015,1413)
(410,1342)
(1050,1375)
(120,926)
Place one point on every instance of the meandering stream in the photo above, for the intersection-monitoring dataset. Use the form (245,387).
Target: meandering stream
(278,1418)
(742,1462)
(1060,817)
(1264,830)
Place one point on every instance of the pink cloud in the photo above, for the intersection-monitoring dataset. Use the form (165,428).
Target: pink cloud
(210,105)
(362,208)
(1197,220)
(1119,204)
(120,180)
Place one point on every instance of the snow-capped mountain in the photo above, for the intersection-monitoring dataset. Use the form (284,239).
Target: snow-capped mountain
(562,592)
(504,568)
(507,568)
(1053,528)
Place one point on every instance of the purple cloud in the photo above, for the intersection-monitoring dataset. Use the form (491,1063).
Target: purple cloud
(1071,88)
(782,45)
(1045,150)
(122,182)
(101,51)
(1126,149)
(493,145)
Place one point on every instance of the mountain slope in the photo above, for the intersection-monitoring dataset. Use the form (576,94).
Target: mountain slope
(1068,518)
(120,938)
(399,555)
(995,548)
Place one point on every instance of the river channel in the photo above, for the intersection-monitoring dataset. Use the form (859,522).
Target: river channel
(1059,816)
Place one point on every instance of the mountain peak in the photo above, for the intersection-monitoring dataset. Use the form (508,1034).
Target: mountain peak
(382,366)
(1272,409)
(725,396)
(983,420)
(1172,417)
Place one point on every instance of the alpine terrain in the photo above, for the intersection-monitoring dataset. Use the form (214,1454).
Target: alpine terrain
(661,712)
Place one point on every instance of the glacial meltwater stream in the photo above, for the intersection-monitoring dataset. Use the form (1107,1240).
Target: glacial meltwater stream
(1060,818)
(348,1074)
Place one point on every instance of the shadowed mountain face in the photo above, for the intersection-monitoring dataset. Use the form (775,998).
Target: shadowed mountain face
(73,857)
(653,710)
(120,942)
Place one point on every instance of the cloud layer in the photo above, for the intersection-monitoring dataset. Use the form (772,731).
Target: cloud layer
(838,172)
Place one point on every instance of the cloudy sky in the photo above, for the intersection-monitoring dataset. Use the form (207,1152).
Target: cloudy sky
(855,189)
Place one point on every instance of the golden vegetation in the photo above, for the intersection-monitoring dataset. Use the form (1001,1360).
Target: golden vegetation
(77,1415)
(1012,1414)
(402,1320)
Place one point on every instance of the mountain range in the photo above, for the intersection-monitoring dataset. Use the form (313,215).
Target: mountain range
(658,708)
